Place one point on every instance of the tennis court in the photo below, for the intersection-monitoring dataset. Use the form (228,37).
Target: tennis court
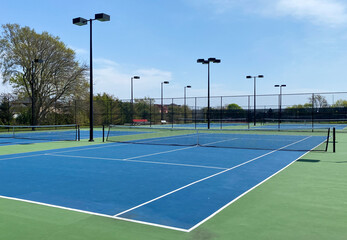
(176,187)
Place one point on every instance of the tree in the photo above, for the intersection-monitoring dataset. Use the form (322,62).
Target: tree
(6,114)
(59,77)
(233,106)
(340,103)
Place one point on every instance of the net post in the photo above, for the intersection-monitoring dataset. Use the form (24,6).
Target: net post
(78,133)
(334,140)
(197,137)
(328,139)
(103,132)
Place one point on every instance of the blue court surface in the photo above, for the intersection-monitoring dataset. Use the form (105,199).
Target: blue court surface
(168,186)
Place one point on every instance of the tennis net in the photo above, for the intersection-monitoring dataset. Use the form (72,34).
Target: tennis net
(47,132)
(266,139)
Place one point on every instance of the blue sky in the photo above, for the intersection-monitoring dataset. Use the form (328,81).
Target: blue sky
(302,44)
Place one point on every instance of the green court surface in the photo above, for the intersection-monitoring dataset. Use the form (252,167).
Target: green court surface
(308,200)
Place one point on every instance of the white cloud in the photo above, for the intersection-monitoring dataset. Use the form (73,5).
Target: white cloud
(79,51)
(327,12)
(109,77)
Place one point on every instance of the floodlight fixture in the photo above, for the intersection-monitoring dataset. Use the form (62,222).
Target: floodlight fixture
(280,103)
(185,100)
(80,22)
(102,17)
(162,99)
(132,96)
(208,61)
(254,95)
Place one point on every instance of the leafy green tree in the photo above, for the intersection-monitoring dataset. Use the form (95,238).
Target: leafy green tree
(142,108)
(58,77)
(233,106)
(6,114)
(340,103)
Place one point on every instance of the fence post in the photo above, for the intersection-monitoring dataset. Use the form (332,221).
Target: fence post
(249,111)
(195,114)
(312,117)
(150,112)
(172,114)
(221,112)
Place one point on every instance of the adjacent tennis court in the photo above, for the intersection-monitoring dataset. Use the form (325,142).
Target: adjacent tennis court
(176,187)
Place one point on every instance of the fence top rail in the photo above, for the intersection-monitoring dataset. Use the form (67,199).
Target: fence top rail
(244,95)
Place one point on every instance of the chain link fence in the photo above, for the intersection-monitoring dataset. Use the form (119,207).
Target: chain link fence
(190,111)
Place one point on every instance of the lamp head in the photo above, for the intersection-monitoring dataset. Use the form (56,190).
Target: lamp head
(260,76)
(79,21)
(136,77)
(188,86)
(102,17)
(217,61)
(166,82)
(249,77)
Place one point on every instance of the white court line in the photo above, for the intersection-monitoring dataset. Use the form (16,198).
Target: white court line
(152,154)
(138,161)
(94,213)
(232,139)
(203,179)
(159,225)
(35,155)
(228,204)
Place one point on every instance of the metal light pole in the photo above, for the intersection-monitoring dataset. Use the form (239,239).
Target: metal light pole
(255,94)
(132,96)
(185,105)
(162,93)
(280,103)
(80,22)
(33,95)
(208,61)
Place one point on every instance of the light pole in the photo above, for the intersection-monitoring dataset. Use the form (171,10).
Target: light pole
(280,102)
(80,22)
(255,94)
(132,96)
(185,105)
(33,89)
(162,104)
(208,61)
